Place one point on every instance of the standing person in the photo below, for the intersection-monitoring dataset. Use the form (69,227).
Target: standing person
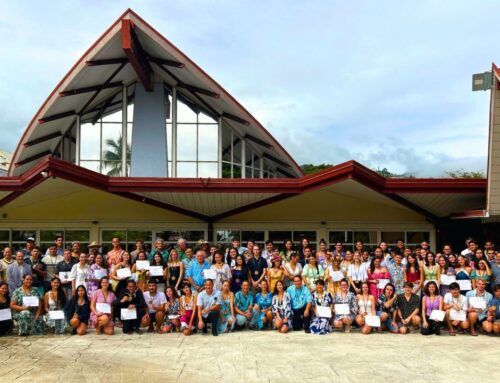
(239,274)
(64,266)
(208,307)
(396,270)
(30,243)
(231,257)
(195,274)
(367,306)
(412,274)
(262,311)
(96,272)
(282,309)
(103,321)
(5,325)
(141,275)
(431,301)
(375,274)
(339,252)
(482,272)
(16,273)
(463,271)
(189,258)
(311,273)
(243,305)
(55,300)
(75,250)
(445,269)
(132,299)
(222,271)
(257,268)
(356,273)
(454,301)
(333,276)
(119,284)
(58,243)
(430,269)
(408,309)
(139,248)
(29,318)
(301,300)
(159,279)
(78,311)
(38,269)
(159,247)
(292,269)
(267,253)
(227,314)
(94,248)
(155,300)
(387,309)
(477,316)
(344,297)
(321,255)
(115,255)
(175,270)
(320,325)
(275,273)
(495,271)
(52,259)
(182,246)
(187,309)
(80,274)
(5,262)
(288,250)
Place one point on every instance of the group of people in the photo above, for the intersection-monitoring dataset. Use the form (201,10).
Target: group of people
(181,289)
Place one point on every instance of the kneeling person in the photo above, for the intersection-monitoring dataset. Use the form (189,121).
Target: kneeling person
(155,300)
(208,303)
(132,299)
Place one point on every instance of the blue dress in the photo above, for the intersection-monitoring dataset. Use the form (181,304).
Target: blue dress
(321,326)
(238,276)
(225,311)
(257,320)
(283,308)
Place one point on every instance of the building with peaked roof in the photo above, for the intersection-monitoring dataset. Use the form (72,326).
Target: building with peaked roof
(5,158)
(137,141)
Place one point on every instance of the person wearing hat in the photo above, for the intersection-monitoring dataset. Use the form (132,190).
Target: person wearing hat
(94,248)
(30,243)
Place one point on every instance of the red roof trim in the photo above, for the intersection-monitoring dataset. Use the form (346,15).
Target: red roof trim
(469,214)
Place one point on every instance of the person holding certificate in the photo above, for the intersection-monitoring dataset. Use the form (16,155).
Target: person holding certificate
(477,301)
(377,276)
(408,309)
(141,273)
(208,306)
(121,273)
(455,306)
(447,272)
(172,321)
(101,304)
(132,307)
(282,308)
(5,311)
(54,302)
(322,306)
(62,268)
(79,273)
(26,305)
(432,301)
(96,272)
(222,271)
(462,273)
(157,262)
(78,311)
(345,307)
(367,306)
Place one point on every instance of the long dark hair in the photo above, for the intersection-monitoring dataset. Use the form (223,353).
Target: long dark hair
(162,262)
(415,264)
(275,292)
(61,294)
(7,296)
(74,299)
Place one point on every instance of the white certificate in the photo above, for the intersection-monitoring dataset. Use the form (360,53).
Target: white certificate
(457,315)
(337,276)
(5,314)
(127,314)
(56,314)
(31,301)
(210,274)
(324,312)
(142,265)
(465,284)
(156,271)
(104,308)
(381,283)
(99,273)
(342,309)
(65,276)
(372,320)
(447,280)
(123,273)
(437,315)
(477,303)
(173,316)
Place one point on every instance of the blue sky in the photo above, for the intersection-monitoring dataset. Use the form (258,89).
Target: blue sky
(387,83)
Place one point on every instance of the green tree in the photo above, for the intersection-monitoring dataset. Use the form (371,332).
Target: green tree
(310,168)
(465,174)
(113,158)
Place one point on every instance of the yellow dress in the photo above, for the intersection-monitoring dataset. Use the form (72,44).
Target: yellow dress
(275,276)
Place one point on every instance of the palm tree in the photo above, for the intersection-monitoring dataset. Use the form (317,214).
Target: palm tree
(113,158)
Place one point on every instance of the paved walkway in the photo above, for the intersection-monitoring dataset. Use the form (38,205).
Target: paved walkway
(250,357)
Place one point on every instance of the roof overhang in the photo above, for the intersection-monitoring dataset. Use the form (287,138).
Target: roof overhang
(213,199)
(132,52)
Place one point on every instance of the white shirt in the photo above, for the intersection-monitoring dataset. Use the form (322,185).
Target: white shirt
(80,275)
(157,300)
(461,301)
(358,274)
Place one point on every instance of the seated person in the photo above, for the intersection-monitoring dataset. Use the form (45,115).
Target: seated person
(301,301)
(78,311)
(493,320)
(243,304)
(408,309)
(477,316)
(132,299)
(103,321)
(5,325)
(455,303)
(208,306)
(155,300)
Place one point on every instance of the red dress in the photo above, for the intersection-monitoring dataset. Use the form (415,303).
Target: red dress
(373,286)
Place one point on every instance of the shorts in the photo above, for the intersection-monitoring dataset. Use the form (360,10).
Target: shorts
(388,322)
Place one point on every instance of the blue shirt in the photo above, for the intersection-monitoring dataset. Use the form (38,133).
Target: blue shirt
(495,302)
(205,301)
(195,271)
(486,296)
(243,302)
(299,297)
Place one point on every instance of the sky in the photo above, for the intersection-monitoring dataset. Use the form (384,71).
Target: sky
(386,83)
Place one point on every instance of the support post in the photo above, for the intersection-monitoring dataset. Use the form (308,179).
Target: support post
(219,149)
(174,133)
(78,141)
(124,131)
(243,159)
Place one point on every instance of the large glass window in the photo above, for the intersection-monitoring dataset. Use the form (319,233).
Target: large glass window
(371,238)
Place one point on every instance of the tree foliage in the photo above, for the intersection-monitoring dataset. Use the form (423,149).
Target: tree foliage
(113,157)
(461,173)
(310,168)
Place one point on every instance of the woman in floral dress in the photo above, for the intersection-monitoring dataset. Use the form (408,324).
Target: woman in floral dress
(227,317)
(281,308)
(29,319)
(262,311)
(96,272)
(172,316)
(321,325)
(345,297)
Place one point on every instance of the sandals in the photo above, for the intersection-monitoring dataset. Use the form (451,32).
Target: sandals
(452,332)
